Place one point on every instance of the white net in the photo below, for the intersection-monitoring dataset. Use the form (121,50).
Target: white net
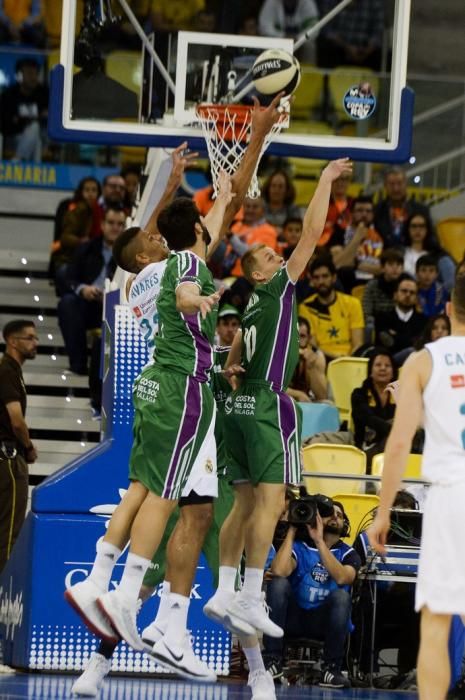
(226,129)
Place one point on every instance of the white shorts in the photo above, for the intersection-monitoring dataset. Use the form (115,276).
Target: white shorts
(203,478)
(441,569)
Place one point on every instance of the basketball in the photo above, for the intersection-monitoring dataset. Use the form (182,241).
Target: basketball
(274,71)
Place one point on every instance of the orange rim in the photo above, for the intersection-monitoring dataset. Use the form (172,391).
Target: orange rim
(225,126)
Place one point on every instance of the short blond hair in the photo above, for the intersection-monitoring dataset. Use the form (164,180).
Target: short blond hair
(249,262)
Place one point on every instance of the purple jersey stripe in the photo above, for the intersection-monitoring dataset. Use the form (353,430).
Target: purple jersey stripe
(287,423)
(187,431)
(203,349)
(282,338)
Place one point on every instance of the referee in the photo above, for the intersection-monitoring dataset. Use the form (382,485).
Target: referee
(16,448)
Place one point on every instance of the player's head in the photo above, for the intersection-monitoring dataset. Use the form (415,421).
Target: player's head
(456,306)
(135,248)
(229,321)
(260,263)
(181,224)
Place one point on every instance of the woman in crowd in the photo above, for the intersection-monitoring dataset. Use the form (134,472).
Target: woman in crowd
(419,238)
(279,194)
(437,327)
(372,406)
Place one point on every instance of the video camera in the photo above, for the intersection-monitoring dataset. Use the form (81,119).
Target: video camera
(303,510)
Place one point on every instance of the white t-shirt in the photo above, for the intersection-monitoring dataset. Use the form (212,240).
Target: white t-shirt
(444,408)
(142,299)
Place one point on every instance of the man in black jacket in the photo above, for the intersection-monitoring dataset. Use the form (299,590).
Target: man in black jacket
(398,329)
(394,210)
(80,308)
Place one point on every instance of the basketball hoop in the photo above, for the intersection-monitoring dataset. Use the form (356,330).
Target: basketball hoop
(226,129)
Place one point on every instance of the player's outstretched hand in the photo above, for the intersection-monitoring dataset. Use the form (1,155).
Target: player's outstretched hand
(263,119)
(208,303)
(233,371)
(378,532)
(224,187)
(181,159)
(336,168)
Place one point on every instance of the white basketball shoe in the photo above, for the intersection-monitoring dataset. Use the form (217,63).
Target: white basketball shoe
(91,680)
(83,598)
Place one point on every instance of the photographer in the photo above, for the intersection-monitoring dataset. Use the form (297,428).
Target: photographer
(309,594)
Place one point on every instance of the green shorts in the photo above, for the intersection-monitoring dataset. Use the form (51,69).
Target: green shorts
(174,415)
(262,436)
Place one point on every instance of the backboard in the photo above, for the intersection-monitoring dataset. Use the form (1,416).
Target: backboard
(147,96)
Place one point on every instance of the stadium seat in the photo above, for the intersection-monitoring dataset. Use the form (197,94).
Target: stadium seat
(358,508)
(451,234)
(344,375)
(126,68)
(333,459)
(344,77)
(358,291)
(317,417)
(308,95)
(413,470)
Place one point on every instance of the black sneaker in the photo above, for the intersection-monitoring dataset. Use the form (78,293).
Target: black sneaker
(274,667)
(332,678)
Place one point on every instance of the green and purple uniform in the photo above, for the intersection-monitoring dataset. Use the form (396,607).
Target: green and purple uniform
(263,423)
(174,405)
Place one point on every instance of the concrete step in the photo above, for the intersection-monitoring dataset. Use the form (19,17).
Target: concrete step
(49,324)
(48,363)
(31,300)
(50,379)
(68,448)
(11,259)
(28,283)
(62,403)
(54,422)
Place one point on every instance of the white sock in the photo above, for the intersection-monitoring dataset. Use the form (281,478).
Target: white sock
(227,579)
(133,575)
(161,618)
(253,580)
(177,619)
(254,658)
(105,560)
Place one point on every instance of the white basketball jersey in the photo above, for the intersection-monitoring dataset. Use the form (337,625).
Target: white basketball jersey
(142,298)
(444,410)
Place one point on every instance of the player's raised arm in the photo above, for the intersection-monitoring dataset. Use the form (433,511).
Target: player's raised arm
(214,220)
(408,416)
(315,217)
(180,161)
(190,301)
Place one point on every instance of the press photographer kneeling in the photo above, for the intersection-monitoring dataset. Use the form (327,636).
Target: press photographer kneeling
(309,592)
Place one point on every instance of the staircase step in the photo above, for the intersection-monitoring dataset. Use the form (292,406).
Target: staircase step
(63,403)
(19,260)
(76,424)
(49,379)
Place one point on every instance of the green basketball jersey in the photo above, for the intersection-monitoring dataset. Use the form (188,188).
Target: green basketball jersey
(270,336)
(184,341)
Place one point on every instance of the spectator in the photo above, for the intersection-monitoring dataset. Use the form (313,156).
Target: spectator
(372,406)
(279,194)
(418,237)
(16,448)
(339,210)
(21,22)
(249,25)
(289,18)
(80,222)
(395,209)
(292,231)
(336,319)
(229,321)
(378,295)
(24,108)
(437,327)
(80,308)
(353,37)
(309,380)
(131,176)
(399,329)
(251,230)
(357,250)
(309,594)
(432,296)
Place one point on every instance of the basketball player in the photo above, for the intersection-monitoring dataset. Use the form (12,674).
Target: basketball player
(433,387)
(154,491)
(263,423)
